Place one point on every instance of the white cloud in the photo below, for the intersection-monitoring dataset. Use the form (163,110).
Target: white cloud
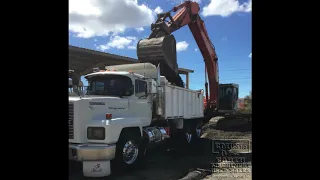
(182,46)
(140,29)
(225,8)
(158,10)
(250,55)
(119,42)
(195,49)
(89,18)
(103,47)
(131,47)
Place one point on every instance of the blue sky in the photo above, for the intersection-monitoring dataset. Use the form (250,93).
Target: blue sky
(115,26)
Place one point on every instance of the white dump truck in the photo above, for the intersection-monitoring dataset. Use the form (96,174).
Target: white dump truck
(125,110)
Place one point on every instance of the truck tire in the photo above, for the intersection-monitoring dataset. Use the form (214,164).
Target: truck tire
(129,151)
(189,134)
(181,138)
(197,132)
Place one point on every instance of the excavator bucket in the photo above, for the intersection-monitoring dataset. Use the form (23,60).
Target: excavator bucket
(161,50)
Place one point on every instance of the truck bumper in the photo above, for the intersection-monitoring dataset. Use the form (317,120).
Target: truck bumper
(91,152)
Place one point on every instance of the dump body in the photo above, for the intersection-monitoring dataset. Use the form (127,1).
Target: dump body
(182,103)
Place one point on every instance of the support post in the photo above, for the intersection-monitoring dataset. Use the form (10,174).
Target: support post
(187,79)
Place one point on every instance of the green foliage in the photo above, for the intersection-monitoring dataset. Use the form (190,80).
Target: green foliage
(248,103)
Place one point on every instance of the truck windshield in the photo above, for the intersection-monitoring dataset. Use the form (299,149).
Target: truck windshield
(110,85)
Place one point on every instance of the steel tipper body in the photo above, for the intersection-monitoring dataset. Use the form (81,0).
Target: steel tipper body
(126,110)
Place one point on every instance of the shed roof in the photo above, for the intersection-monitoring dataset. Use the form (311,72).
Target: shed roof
(83,60)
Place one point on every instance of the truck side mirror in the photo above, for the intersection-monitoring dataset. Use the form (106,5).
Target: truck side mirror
(70,83)
(131,90)
(151,87)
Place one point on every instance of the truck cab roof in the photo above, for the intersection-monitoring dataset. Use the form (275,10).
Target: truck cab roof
(125,73)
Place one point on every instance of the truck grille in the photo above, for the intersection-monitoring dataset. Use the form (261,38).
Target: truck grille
(70,122)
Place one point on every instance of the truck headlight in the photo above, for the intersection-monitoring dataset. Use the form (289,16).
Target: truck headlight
(96,133)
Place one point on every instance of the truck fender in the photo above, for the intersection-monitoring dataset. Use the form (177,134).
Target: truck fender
(135,130)
(120,125)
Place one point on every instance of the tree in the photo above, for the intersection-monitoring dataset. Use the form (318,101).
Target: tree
(248,102)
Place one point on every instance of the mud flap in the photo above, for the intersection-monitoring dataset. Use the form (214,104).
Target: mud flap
(96,168)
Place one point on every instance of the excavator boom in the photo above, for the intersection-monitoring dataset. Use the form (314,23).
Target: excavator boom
(160,46)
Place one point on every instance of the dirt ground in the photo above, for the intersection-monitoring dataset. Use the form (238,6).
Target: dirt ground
(198,161)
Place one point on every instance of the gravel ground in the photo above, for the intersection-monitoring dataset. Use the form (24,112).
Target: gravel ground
(196,162)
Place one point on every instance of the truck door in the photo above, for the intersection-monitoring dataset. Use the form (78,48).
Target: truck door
(141,103)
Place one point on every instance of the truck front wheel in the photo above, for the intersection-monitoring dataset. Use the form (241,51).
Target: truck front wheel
(129,151)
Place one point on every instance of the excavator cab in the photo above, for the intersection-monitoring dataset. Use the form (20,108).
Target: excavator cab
(228,97)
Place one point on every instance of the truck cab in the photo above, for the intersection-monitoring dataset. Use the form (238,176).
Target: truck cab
(125,110)
(113,100)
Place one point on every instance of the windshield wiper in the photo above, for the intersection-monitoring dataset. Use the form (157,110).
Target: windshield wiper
(111,94)
(145,95)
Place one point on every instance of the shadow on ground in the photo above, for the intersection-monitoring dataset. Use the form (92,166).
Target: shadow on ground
(162,165)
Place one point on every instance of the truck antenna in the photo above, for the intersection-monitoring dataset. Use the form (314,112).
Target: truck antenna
(144,73)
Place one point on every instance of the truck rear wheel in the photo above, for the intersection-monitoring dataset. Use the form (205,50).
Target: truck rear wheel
(188,135)
(198,131)
(129,151)
(193,131)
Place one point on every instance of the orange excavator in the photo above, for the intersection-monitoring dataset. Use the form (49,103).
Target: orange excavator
(160,48)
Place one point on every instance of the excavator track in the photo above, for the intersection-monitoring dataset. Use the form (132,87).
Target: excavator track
(161,51)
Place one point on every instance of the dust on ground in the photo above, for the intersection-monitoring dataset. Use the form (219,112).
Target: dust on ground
(195,162)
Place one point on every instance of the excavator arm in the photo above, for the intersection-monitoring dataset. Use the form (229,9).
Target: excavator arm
(208,52)
(155,48)
(186,12)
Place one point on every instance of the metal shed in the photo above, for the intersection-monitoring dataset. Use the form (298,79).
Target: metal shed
(83,60)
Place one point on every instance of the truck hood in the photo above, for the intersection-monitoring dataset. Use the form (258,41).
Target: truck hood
(91,110)
(78,98)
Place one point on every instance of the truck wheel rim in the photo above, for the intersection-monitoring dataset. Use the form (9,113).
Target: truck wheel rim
(198,132)
(130,152)
(188,137)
